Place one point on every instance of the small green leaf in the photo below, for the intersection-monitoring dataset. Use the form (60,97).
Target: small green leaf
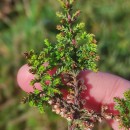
(46,42)
(31,103)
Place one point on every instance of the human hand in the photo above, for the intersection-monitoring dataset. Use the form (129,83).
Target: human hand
(101,89)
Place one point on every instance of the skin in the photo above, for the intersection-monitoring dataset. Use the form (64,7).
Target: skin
(101,89)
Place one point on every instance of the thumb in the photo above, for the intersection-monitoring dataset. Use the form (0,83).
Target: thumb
(101,89)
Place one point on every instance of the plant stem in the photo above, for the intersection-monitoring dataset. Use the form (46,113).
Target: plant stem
(71,126)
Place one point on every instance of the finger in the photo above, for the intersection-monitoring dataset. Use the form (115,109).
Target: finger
(24,77)
(101,89)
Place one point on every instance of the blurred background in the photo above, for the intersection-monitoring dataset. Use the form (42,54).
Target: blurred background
(23,26)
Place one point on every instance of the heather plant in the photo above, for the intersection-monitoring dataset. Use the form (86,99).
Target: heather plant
(56,68)
(123,106)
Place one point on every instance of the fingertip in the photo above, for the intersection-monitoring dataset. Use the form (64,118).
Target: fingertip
(24,78)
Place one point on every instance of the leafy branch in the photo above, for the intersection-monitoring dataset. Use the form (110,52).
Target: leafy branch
(56,68)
